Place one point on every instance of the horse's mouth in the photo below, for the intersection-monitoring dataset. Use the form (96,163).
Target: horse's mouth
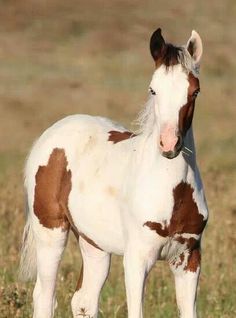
(171,154)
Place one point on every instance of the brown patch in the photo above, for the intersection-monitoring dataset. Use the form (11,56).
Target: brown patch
(181,260)
(186,112)
(185,217)
(170,56)
(52,189)
(53,185)
(117,136)
(178,261)
(194,260)
(162,230)
(194,254)
(80,280)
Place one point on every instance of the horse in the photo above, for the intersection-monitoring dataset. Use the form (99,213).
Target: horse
(138,195)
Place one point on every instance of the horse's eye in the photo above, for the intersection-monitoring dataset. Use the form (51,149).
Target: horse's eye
(152,91)
(196,93)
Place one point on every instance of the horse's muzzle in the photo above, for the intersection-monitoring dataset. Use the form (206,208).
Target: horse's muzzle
(178,147)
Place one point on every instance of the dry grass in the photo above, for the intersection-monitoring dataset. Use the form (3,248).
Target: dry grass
(62,57)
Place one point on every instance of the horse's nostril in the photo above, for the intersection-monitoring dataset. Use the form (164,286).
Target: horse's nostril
(161,144)
(179,142)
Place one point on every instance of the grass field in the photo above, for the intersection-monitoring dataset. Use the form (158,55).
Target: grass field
(64,57)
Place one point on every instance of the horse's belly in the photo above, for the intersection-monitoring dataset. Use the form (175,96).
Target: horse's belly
(96,214)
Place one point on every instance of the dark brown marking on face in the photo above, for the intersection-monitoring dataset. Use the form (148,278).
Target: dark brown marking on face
(186,112)
(52,189)
(117,136)
(185,216)
(80,280)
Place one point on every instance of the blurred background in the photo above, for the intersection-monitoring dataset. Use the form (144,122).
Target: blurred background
(61,57)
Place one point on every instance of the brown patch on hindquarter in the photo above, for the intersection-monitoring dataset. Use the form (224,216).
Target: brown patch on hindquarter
(117,136)
(52,189)
(185,217)
(186,112)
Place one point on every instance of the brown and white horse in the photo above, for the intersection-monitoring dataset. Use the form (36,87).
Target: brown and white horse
(136,195)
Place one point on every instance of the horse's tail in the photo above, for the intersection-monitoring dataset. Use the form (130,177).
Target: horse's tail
(28,264)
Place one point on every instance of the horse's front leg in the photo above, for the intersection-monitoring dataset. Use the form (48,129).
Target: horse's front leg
(138,260)
(186,281)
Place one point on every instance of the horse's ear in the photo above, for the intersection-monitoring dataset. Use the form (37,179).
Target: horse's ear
(157,44)
(194,47)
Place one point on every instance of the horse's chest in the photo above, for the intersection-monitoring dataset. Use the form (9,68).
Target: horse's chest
(185,220)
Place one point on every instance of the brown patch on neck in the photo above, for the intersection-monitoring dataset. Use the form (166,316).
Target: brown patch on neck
(186,112)
(52,189)
(117,136)
(185,217)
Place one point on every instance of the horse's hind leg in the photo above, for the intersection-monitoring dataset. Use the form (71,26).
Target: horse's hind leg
(50,244)
(93,274)
(50,227)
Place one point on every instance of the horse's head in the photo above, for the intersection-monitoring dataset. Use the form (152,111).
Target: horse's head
(174,87)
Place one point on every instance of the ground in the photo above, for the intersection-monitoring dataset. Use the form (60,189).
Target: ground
(64,57)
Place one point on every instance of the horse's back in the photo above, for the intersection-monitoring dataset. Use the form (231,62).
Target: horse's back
(71,134)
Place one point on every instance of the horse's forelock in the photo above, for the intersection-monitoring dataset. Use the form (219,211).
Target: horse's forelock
(173,55)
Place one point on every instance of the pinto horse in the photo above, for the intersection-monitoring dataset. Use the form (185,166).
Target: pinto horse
(137,195)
